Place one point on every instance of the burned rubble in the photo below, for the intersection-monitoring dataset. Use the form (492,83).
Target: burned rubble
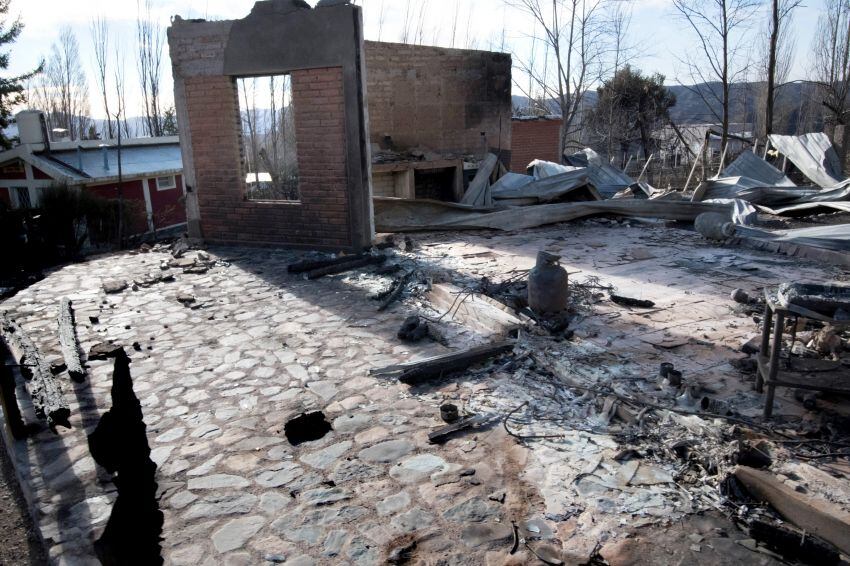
(628,417)
(564,365)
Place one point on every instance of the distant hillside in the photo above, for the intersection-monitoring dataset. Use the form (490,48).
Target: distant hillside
(691,106)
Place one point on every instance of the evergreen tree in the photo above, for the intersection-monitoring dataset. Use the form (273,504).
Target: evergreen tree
(11,88)
(169,123)
(630,106)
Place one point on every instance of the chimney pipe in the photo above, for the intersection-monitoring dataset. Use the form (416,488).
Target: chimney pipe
(43,123)
(105,150)
(80,157)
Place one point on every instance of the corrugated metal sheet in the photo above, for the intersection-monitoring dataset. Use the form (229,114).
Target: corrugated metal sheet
(836,237)
(752,166)
(752,190)
(813,155)
(607,179)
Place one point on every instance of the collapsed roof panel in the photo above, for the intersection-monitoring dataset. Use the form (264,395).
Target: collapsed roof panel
(513,187)
(607,179)
(751,165)
(836,237)
(400,215)
(751,190)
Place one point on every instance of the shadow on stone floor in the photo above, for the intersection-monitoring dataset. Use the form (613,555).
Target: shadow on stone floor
(120,445)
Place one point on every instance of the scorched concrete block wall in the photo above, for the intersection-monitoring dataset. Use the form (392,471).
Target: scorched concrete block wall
(323,51)
(438,98)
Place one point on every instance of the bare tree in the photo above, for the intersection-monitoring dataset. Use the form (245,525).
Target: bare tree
(454,21)
(620,20)
(420,23)
(381,21)
(406,30)
(149,64)
(470,39)
(780,54)
(277,142)
(61,90)
(250,117)
(100,44)
(832,66)
(720,55)
(573,38)
(121,122)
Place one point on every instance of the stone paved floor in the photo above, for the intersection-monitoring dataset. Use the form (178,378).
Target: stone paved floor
(218,383)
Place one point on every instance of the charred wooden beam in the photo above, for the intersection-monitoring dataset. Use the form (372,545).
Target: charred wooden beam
(311,265)
(347,266)
(811,514)
(47,398)
(630,302)
(68,341)
(10,400)
(414,373)
(445,432)
(396,291)
(804,547)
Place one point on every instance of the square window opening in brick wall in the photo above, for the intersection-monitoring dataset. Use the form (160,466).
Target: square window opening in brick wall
(270,159)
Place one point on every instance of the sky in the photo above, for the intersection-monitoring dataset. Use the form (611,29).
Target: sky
(662,40)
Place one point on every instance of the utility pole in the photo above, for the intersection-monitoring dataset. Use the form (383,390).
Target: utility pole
(120,188)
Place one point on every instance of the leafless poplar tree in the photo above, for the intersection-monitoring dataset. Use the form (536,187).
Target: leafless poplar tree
(61,90)
(573,37)
(406,29)
(420,23)
(720,55)
(832,66)
(780,55)
(278,146)
(381,21)
(470,39)
(121,122)
(454,21)
(250,117)
(619,21)
(150,40)
(100,44)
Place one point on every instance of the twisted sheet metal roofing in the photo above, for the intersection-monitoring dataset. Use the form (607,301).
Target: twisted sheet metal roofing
(814,156)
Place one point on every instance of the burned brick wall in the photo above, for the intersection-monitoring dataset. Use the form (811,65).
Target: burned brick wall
(321,49)
(438,98)
(534,138)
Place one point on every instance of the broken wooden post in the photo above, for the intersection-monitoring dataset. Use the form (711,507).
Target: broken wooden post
(68,341)
(722,159)
(414,373)
(645,166)
(813,515)
(46,394)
